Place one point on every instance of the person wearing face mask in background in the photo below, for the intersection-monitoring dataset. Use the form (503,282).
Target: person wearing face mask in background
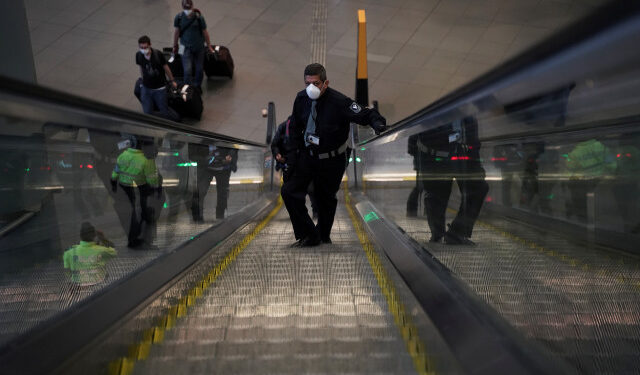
(153,68)
(320,124)
(191,31)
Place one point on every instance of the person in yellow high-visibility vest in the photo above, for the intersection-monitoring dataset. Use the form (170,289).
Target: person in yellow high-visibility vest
(588,163)
(132,170)
(87,260)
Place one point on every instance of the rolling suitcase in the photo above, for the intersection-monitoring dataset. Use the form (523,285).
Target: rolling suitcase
(173,115)
(186,101)
(174,62)
(219,63)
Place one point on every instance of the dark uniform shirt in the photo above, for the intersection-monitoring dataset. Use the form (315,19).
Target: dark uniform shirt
(281,143)
(153,69)
(335,112)
(216,160)
(447,140)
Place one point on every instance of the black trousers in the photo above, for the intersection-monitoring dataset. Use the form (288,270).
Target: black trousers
(579,189)
(326,175)
(132,216)
(437,180)
(414,196)
(204,177)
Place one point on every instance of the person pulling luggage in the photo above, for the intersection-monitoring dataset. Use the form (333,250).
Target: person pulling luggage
(191,33)
(153,68)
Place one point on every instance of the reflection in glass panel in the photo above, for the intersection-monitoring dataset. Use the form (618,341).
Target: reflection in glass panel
(545,216)
(83,207)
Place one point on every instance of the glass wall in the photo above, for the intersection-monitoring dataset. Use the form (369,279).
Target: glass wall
(87,199)
(528,192)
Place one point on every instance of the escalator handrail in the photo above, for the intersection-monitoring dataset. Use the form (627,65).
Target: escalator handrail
(578,33)
(15,87)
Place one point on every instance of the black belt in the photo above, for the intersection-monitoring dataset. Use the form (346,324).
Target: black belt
(433,152)
(330,154)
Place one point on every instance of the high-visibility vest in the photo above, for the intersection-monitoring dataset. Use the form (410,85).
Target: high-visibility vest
(591,159)
(86,261)
(134,169)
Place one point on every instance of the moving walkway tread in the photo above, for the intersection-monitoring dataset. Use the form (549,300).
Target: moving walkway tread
(277,309)
(582,302)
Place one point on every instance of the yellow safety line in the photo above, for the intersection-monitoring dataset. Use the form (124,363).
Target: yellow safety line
(415,346)
(140,350)
(571,261)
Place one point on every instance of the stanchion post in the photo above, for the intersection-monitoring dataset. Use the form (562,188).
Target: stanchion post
(362,83)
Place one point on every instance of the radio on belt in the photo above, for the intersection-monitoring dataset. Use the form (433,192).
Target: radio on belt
(314,140)
(454,137)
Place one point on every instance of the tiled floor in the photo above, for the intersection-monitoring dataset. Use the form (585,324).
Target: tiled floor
(418,50)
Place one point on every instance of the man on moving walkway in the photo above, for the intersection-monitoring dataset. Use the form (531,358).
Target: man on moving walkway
(283,150)
(86,261)
(213,161)
(133,170)
(448,152)
(320,127)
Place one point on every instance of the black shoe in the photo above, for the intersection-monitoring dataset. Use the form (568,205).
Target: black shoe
(297,243)
(326,240)
(435,239)
(310,242)
(451,238)
(135,243)
(149,246)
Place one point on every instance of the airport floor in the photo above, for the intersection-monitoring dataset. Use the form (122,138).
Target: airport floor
(418,50)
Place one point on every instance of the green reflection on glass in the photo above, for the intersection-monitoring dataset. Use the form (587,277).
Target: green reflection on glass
(176,154)
(358,160)
(362,149)
(164,205)
(371,216)
(438,159)
(350,160)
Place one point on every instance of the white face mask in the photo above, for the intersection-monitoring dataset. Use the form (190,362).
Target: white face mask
(313,92)
(144,51)
(187,11)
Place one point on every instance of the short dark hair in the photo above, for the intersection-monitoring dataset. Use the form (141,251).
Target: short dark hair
(316,69)
(144,39)
(87,232)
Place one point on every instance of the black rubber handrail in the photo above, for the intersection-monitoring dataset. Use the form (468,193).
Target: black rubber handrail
(23,89)
(580,32)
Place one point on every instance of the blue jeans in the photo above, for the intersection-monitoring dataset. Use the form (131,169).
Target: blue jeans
(190,58)
(149,97)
